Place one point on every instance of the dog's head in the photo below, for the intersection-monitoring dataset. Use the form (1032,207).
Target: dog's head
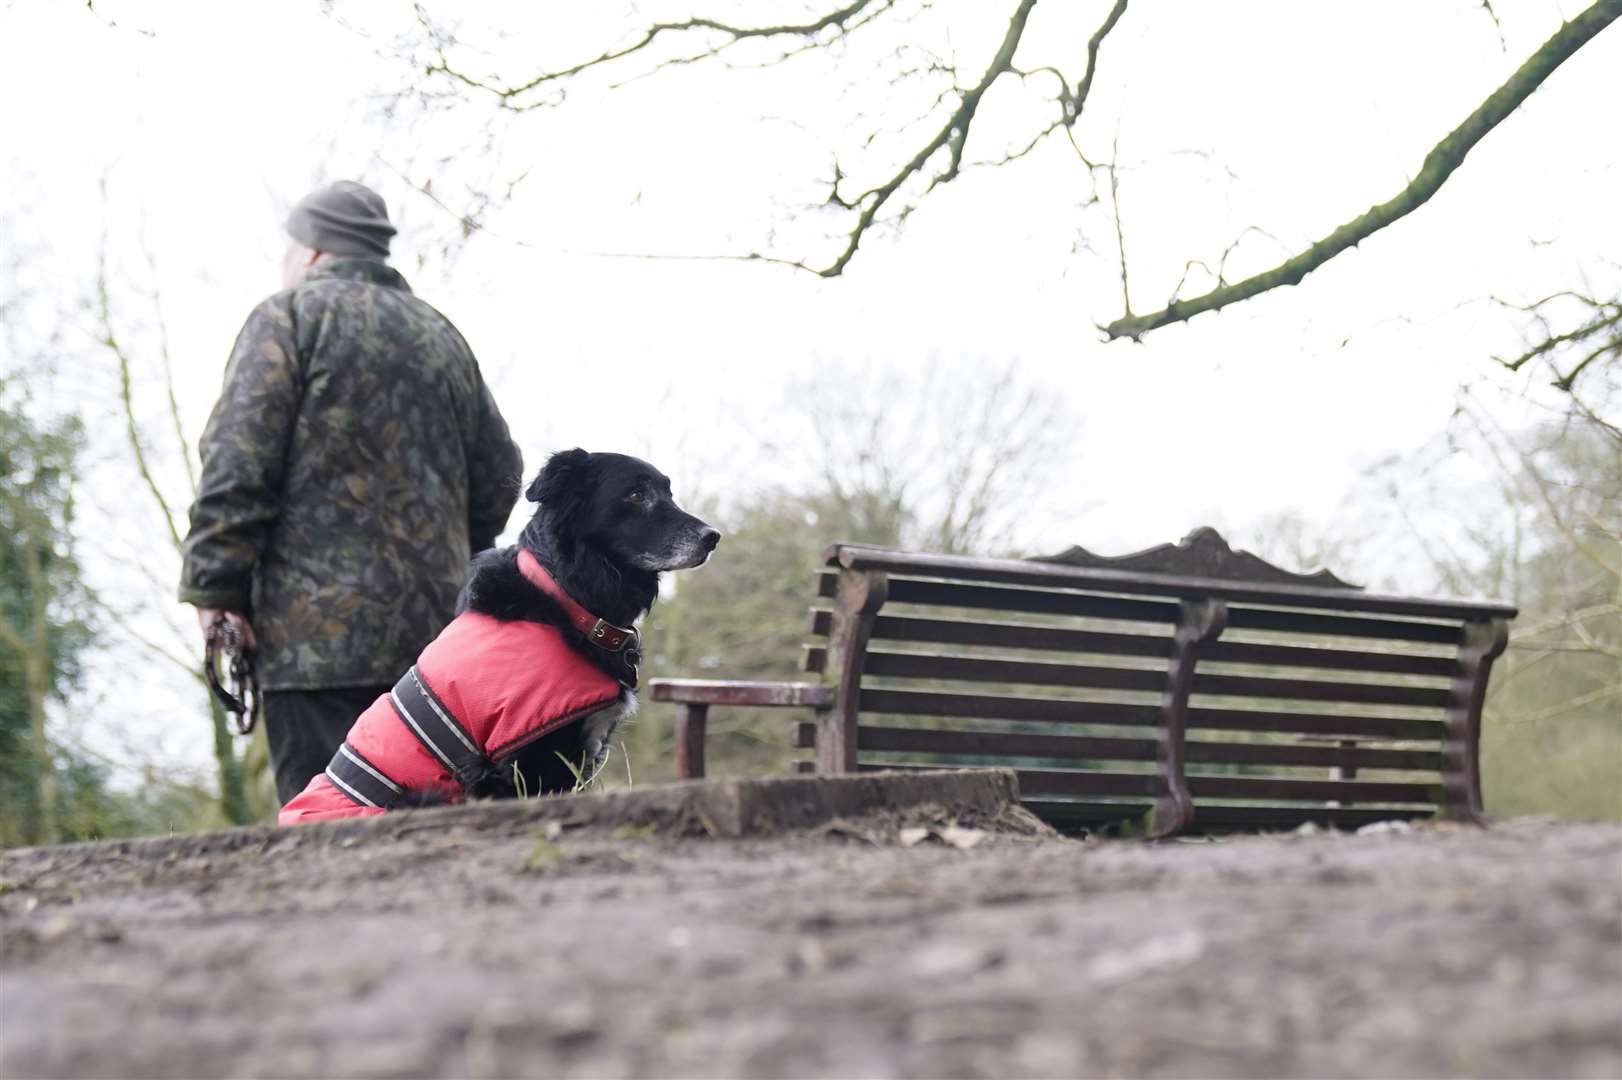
(621,507)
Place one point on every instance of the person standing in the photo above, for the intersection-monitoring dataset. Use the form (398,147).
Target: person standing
(353,463)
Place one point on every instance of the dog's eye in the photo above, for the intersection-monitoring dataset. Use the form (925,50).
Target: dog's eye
(634,497)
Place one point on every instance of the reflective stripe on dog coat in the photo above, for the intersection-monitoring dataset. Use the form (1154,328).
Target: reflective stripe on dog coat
(502,683)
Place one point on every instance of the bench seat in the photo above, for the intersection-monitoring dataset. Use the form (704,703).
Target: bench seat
(1189,687)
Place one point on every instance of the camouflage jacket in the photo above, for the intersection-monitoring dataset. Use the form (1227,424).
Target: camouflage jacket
(354,461)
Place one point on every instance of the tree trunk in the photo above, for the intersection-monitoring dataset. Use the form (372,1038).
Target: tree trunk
(233,796)
(37,681)
(36,666)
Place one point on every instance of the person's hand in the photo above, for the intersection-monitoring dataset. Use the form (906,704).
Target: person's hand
(206,617)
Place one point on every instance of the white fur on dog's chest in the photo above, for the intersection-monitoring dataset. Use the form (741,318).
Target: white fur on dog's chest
(597,730)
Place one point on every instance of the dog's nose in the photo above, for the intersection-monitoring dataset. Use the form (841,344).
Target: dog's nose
(709,538)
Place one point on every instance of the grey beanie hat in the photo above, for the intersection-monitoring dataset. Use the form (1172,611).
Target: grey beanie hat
(344,218)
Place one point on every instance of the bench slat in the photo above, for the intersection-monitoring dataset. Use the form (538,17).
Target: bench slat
(1035,783)
(1038,782)
(1003,634)
(1311,622)
(1049,574)
(1299,723)
(1040,673)
(1069,815)
(1315,690)
(975,669)
(1280,787)
(992,707)
(1060,710)
(1207,816)
(949,742)
(918,628)
(1054,602)
(959,743)
(1242,652)
(1029,601)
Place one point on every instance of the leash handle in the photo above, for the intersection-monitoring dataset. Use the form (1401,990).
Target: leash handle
(241,699)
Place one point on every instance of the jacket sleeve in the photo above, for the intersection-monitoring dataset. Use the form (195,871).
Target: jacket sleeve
(495,474)
(244,448)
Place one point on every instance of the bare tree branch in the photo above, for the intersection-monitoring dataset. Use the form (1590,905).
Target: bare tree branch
(1591,698)
(1486,6)
(1078,97)
(1606,316)
(156,296)
(124,623)
(1598,329)
(1540,485)
(1614,347)
(1115,205)
(126,394)
(814,33)
(1439,164)
(507,95)
(951,136)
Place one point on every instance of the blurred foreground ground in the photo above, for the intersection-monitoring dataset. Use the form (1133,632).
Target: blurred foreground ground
(468,947)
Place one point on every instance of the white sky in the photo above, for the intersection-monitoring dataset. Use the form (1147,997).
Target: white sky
(209,118)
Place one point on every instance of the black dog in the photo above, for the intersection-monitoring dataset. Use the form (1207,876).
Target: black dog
(605,529)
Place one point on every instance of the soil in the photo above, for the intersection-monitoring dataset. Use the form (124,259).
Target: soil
(460,946)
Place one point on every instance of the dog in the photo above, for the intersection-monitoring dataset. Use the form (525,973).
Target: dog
(523,692)
(606,528)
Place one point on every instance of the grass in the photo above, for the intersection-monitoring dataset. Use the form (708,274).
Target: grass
(635,832)
(544,854)
(582,782)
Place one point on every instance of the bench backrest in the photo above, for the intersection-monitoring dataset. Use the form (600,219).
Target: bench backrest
(1239,696)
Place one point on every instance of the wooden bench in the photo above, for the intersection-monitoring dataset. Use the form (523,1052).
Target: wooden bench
(1187,686)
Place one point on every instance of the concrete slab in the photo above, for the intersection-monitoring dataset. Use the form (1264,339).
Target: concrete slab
(715,807)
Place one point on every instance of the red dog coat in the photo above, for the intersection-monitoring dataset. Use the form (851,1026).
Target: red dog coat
(480,690)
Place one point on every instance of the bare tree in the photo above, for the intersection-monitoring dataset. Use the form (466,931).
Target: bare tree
(932,149)
(160,453)
(1574,338)
(1534,516)
(43,625)
(959,457)
(40,590)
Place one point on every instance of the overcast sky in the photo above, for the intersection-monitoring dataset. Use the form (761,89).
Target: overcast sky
(208,119)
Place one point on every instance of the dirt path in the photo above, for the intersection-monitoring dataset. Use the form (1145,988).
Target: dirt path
(469,950)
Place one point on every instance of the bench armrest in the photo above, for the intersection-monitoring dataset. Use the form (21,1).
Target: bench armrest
(695,696)
(742,693)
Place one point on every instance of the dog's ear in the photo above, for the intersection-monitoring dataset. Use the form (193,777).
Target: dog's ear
(561,489)
(563,475)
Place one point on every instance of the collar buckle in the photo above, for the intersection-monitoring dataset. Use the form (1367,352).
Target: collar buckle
(605,635)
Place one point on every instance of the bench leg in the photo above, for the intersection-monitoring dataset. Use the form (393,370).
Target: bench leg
(690,721)
(856,605)
(1200,621)
(1484,642)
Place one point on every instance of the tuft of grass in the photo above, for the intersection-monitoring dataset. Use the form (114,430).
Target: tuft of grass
(582,782)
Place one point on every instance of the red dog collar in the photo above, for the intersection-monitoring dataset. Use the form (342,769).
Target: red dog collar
(600,632)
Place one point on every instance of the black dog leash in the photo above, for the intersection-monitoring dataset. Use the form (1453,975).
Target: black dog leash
(241,700)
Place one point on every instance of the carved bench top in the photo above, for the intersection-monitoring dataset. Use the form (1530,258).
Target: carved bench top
(1202,564)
